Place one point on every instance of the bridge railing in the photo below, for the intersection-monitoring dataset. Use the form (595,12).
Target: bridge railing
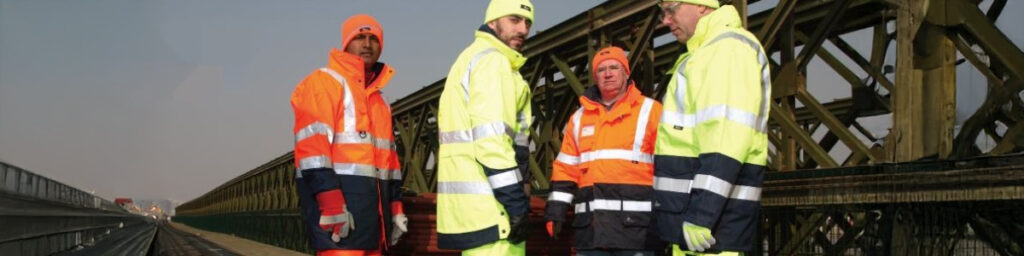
(19,181)
(42,216)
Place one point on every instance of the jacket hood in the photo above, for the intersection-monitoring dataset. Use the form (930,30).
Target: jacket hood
(515,59)
(724,17)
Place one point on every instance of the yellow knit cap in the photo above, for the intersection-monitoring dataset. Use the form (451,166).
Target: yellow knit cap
(501,8)
(709,3)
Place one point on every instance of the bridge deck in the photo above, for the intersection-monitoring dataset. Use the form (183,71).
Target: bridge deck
(228,242)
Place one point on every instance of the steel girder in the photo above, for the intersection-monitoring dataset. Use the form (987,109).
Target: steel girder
(805,132)
(967,207)
(893,229)
(557,70)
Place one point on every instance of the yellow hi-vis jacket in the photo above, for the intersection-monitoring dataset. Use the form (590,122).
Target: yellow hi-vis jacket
(483,119)
(711,148)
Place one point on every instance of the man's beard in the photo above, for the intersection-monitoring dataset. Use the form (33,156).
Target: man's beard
(507,39)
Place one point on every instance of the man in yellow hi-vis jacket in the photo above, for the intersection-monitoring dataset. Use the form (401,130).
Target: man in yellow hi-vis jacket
(711,148)
(483,123)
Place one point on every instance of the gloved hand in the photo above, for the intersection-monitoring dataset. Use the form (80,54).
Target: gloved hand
(523,162)
(697,238)
(554,227)
(334,215)
(520,228)
(399,229)
(401,223)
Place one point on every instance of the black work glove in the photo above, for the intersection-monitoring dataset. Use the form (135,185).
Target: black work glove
(523,160)
(520,228)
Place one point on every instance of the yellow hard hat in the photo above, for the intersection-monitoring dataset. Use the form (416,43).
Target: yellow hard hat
(709,3)
(501,8)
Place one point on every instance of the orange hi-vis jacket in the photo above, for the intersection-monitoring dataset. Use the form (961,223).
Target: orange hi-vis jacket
(344,139)
(605,171)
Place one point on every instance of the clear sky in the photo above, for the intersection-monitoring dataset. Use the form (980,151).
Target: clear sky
(168,99)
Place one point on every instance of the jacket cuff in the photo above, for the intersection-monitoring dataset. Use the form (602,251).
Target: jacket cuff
(523,161)
(555,211)
(330,199)
(699,218)
(321,179)
(397,208)
(507,185)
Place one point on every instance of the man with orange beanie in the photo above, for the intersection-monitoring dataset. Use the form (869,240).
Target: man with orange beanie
(605,169)
(346,166)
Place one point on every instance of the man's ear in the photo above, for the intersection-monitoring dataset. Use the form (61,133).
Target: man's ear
(703,10)
(493,24)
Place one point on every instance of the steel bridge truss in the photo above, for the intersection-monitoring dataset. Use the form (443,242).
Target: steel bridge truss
(927,38)
(827,194)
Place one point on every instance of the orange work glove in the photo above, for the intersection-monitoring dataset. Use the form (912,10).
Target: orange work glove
(334,215)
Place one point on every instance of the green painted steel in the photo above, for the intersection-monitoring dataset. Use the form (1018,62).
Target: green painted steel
(805,132)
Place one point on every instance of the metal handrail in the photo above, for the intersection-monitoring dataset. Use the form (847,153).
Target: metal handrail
(43,216)
(18,181)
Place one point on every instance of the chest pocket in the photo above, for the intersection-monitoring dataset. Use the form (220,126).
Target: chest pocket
(587,137)
(613,133)
(589,131)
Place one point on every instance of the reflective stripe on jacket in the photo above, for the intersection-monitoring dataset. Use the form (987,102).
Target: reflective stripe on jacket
(712,148)
(483,115)
(605,170)
(344,139)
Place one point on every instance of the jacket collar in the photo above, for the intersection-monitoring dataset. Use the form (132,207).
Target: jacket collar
(591,101)
(708,26)
(351,66)
(515,59)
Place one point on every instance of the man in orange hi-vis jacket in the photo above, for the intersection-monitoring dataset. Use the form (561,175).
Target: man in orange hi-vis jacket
(605,170)
(346,167)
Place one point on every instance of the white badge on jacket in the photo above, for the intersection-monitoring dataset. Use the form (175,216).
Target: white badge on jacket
(587,131)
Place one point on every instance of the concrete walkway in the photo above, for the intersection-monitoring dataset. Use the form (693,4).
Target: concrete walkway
(237,244)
